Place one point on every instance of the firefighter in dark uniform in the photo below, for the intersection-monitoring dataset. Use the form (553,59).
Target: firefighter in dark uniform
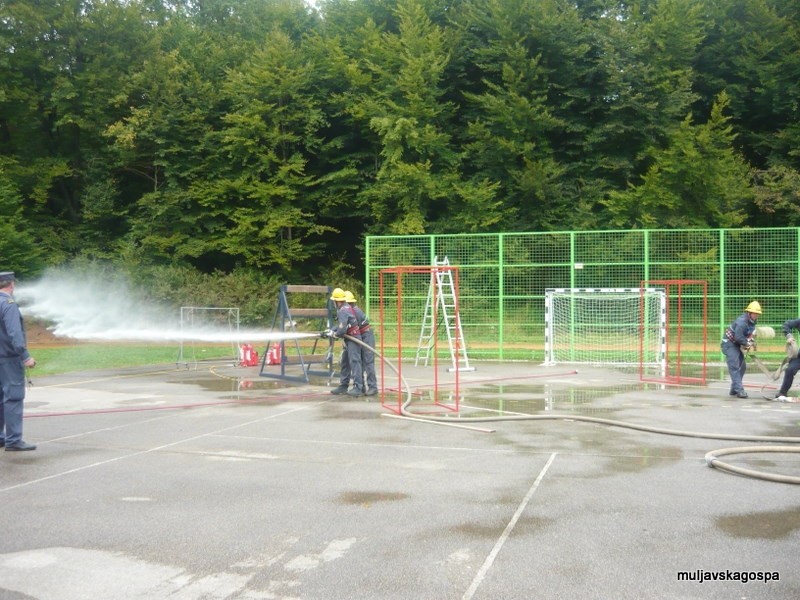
(793,365)
(14,357)
(348,324)
(737,340)
(367,354)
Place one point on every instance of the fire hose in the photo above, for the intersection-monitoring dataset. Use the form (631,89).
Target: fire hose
(711,457)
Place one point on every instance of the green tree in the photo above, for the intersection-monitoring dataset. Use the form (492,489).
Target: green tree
(641,88)
(18,249)
(777,195)
(418,185)
(752,52)
(511,124)
(254,203)
(67,78)
(698,180)
(158,152)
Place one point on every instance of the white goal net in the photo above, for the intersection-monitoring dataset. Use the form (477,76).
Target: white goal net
(618,326)
(208,330)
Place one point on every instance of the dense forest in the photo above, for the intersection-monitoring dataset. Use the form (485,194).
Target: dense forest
(273,135)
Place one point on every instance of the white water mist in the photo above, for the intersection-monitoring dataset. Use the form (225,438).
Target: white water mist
(90,307)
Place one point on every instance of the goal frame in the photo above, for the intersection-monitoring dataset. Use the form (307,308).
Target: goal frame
(408,328)
(686,334)
(649,348)
(187,354)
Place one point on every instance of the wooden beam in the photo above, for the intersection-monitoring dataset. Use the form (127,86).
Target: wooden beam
(309,312)
(307,359)
(310,289)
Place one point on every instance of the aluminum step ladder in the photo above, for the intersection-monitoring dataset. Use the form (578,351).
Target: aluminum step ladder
(446,304)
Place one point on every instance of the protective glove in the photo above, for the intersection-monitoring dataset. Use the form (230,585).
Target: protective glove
(328,333)
(789,338)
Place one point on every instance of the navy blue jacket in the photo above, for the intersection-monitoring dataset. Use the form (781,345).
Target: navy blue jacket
(741,330)
(12,330)
(790,325)
(347,322)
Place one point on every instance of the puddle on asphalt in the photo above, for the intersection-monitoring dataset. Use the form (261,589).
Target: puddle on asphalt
(769,525)
(645,458)
(791,428)
(213,384)
(570,395)
(339,411)
(476,530)
(531,524)
(220,383)
(366,498)
(500,400)
(524,525)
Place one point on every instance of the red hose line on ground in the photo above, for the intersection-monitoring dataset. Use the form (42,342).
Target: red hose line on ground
(101,411)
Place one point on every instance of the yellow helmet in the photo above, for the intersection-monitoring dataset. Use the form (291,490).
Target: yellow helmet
(338,295)
(349,297)
(753,307)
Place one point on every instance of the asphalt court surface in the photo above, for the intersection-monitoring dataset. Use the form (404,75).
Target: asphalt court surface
(214,483)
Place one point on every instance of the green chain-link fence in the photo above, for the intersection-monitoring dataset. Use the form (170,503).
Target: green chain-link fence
(503,276)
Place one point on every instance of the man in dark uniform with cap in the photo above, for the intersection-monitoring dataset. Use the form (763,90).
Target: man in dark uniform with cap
(14,357)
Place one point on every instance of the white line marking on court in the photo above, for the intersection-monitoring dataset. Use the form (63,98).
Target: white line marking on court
(97,379)
(487,564)
(104,429)
(123,457)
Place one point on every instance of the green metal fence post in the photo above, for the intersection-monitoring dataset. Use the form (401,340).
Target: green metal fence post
(367,263)
(500,291)
(721,324)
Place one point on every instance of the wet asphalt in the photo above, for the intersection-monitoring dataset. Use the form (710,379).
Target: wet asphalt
(211,482)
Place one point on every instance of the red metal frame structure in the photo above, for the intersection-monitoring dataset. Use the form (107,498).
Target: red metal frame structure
(685,309)
(392,398)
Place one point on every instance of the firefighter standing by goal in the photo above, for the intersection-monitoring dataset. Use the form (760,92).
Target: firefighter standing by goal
(737,340)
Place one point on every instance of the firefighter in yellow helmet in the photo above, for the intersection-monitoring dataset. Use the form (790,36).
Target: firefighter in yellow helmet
(347,324)
(368,337)
(737,340)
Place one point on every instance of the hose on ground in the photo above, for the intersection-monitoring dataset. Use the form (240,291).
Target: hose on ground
(713,461)
(711,457)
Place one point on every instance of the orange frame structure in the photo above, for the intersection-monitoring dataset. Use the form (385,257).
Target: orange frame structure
(389,400)
(676,319)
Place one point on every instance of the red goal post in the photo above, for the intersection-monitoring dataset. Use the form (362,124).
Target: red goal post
(685,334)
(410,322)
